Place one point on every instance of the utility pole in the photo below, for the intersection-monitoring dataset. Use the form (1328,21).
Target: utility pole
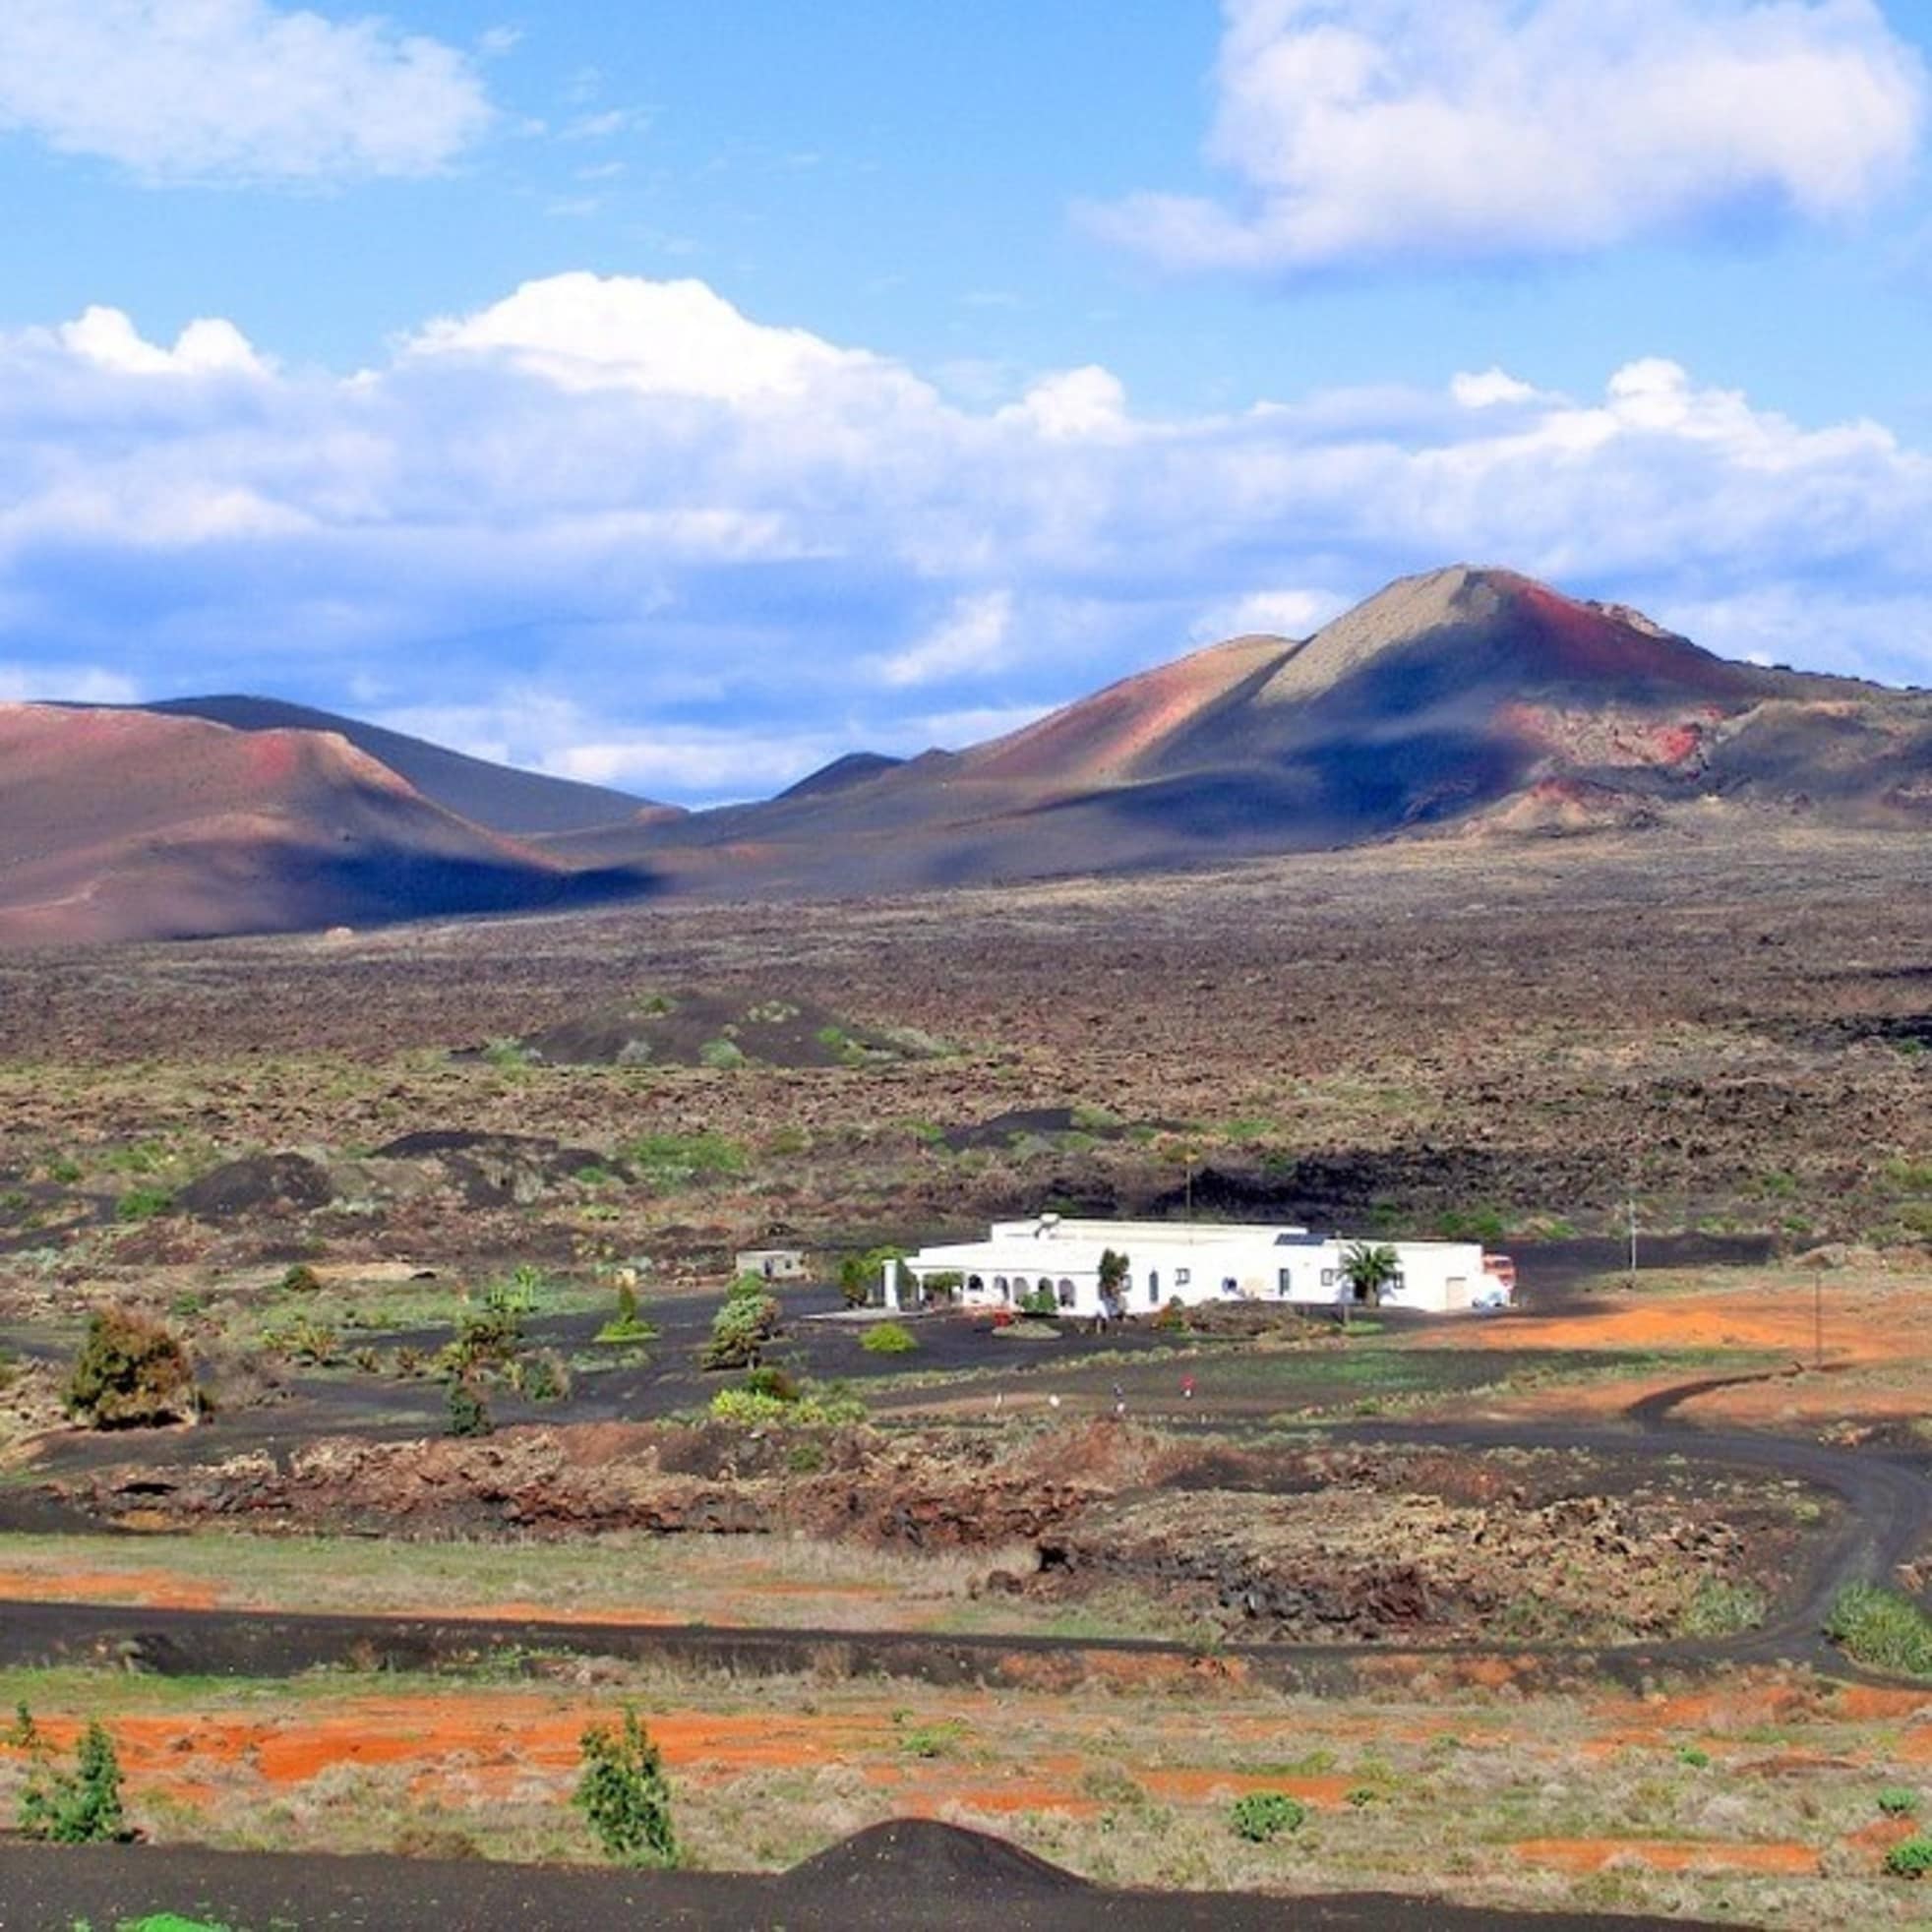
(1631,1205)
(1818,1318)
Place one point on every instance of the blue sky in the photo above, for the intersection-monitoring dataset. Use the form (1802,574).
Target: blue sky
(679,396)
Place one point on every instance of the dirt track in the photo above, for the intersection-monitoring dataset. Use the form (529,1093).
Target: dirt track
(890,1877)
(1887,1512)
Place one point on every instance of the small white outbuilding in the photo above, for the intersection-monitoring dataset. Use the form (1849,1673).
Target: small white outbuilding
(1189,1262)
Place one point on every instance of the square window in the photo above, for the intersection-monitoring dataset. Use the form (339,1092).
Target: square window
(1183,1276)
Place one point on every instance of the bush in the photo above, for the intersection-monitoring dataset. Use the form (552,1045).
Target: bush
(776,1403)
(739,1331)
(131,1372)
(888,1338)
(300,1279)
(1898,1802)
(1263,1815)
(542,1378)
(143,1204)
(627,1325)
(1882,1629)
(623,1795)
(1040,1302)
(489,1337)
(469,1413)
(82,1806)
(1910,1858)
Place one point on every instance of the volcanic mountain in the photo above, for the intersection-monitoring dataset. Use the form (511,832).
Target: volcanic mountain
(1470,699)
(498,797)
(119,824)
(1466,702)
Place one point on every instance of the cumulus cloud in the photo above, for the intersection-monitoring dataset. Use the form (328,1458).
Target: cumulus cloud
(586,331)
(208,345)
(975,637)
(234,89)
(621,530)
(1393,131)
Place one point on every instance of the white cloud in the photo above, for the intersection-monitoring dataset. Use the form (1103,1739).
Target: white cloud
(1490,390)
(77,684)
(234,89)
(1393,131)
(975,637)
(1089,401)
(657,338)
(645,530)
(1267,612)
(209,345)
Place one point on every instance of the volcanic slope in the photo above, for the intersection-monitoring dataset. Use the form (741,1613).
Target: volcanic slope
(123,824)
(1473,700)
(496,797)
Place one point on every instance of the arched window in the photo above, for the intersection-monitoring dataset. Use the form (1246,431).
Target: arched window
(1066,1293)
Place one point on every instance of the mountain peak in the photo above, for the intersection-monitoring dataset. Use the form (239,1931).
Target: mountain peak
(1476,629)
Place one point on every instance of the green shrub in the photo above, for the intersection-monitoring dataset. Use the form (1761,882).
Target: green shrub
(1882,1629)
(302,1340)
(541,1377)
(1263,1815)
(82,1806)
(469,1413)
(489,1337)
(748,1409)
(888,1338)
(1040,1302)
(1910,1858)
(741,1330)
(670,1160)
(623,1795)
(1720,1609)
(131,1372)
(725,1054)
(627,1325)
(300,1279)
(143,1204)
(1898,1802)
(781,1405)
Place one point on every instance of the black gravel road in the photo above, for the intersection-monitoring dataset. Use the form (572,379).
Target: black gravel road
(905,1874)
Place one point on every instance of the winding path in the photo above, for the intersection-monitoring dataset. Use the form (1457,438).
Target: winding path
(1885,1515)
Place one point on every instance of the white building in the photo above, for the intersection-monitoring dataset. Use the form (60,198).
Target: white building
(773,1264)
(1189,1262)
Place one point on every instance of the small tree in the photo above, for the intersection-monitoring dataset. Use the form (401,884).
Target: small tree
(623,1795)
(1369,1270)
(855,1280)
(1113,1279)
(131,1372)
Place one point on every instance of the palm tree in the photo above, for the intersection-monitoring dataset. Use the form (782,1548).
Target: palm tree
(1367,1271)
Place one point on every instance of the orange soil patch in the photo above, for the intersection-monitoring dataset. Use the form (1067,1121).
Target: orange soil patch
(153,1590)
(1582,1855)
(1207,1786)
(1863,1324)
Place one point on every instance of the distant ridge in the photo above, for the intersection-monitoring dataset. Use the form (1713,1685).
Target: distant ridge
(1468,702)
(496,797)
(854,768)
